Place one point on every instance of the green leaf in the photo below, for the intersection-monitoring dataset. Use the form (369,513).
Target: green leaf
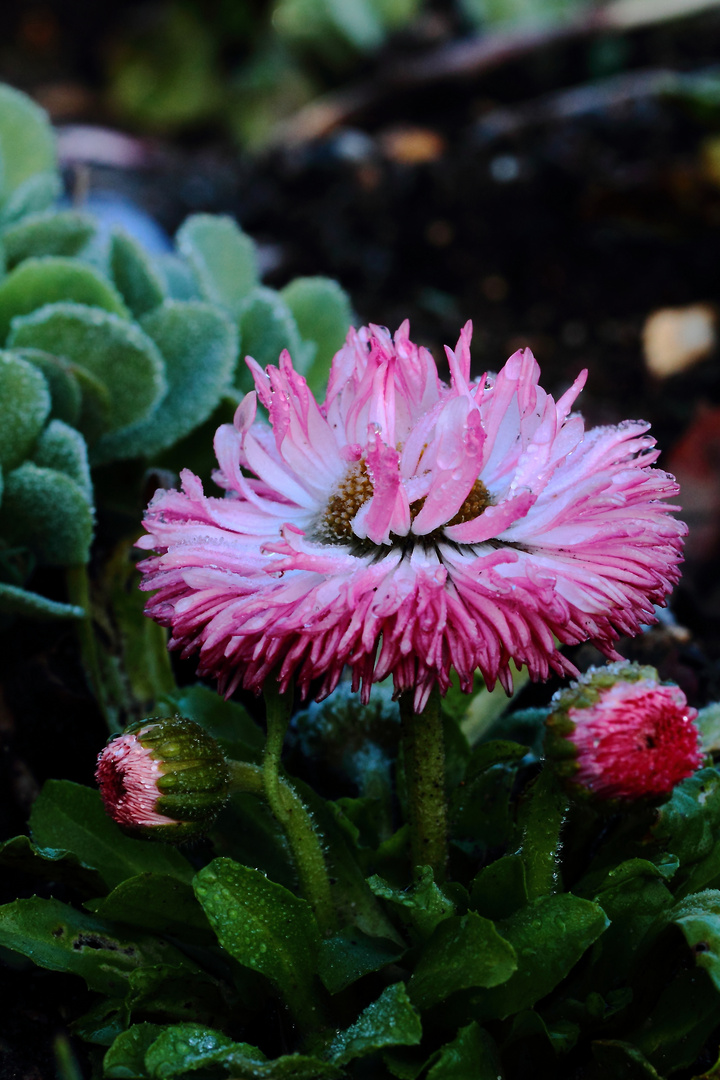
(29,605)
(199,346)
(499,890)
(549,936)
(58,937)
(708,720)
(698,917)
(689,822)
(481,809)
(156,902)
(352,895)
(622,1061)
(263,926)
(24,408)
(115,352)
(351,954)
(189,1047)
(135,277)
(266,327)
(63,385)
(46,511)
(633,895)
(22,854)
(27,141)
(103,1023)
(125,1059)
(392,1020)
(33,196)
(182,996)
(672,1033)
(227,721)
(223,258)
(464,952)
(471,1054)
(62,448)
(323,315)
(50,280)
(68,815)
(425,904)
(50,232)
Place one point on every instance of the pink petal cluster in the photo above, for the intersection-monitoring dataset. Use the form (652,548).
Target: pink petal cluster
(127,776)
(637,741)
(406,526)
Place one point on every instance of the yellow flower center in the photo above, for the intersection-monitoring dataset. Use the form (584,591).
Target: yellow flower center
(356,489)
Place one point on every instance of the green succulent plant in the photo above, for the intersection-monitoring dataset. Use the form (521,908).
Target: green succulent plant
(108,353)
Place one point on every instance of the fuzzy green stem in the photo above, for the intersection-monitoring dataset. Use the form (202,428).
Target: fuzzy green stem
(424,757)
(293,815)
(78,586)
(542,815)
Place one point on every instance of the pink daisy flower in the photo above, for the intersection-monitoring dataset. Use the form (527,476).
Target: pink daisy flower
(619,733)
(406,527)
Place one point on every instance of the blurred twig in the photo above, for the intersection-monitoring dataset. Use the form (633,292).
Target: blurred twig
(476,56)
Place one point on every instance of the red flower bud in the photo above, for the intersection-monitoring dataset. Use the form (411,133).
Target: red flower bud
(619,733)
(164,779)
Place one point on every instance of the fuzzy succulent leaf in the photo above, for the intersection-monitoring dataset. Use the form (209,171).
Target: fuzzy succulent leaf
(33,196)
(134,275)
(267,326)
(47,232)
(27,142)
(25,403)
(48,512)
(199,346)
(62,448)
(51,280)
(323,314)
(178,279)
(63,384)
(112,350)
(223,258)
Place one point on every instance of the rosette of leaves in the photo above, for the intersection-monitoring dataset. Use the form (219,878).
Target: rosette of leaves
(606,966)
(108,353)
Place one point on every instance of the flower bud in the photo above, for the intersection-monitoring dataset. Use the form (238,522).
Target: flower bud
(164,779)
(618,733)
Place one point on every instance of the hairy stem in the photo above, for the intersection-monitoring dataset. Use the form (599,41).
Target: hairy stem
(293,815)
(542,815)
(424,757)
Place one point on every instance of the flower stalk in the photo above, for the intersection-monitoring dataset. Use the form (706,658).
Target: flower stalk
(542,816)
(290,811)
(424,758)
